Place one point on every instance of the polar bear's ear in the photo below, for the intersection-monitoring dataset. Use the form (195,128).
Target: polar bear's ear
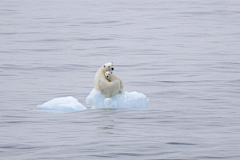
(112,62)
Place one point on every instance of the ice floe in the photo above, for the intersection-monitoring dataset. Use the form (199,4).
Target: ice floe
(61,105)
(126,100)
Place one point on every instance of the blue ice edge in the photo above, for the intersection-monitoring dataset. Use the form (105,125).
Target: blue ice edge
(98,101)
(126,100)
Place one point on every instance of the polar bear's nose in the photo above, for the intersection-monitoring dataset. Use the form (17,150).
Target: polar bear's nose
(112,68)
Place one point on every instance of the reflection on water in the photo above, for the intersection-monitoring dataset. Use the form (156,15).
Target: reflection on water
(106,125)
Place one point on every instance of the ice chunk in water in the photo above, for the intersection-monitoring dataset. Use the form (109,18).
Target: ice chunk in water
(61,105)
(127,100)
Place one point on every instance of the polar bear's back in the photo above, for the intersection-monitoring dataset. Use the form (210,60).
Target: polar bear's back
(99,76)
(109,89)
(116,78)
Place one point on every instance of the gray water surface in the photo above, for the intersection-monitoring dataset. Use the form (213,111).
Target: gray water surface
(183,55)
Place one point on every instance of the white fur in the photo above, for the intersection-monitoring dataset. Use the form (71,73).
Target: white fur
(112,77)
(108,89)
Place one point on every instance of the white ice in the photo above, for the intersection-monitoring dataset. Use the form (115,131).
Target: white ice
(61,105)
(126,100)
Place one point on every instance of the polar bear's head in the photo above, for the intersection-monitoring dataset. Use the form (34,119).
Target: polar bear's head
(108,66)
(108,74)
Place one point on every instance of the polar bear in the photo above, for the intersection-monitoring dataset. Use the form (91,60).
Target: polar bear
(111,77)
(108,89)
